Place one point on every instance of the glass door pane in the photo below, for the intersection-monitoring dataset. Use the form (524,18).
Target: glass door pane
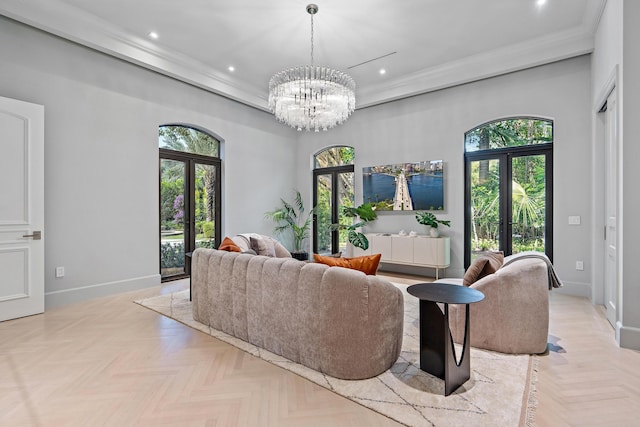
(528,207)
(324,207)
(345,198)
(485,206)
(172,217)
(205,206)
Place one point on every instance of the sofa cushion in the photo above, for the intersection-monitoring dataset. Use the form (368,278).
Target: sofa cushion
(485,264)
(368,264)
(229,246)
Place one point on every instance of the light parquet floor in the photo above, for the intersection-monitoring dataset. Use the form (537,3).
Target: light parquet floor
(111,362)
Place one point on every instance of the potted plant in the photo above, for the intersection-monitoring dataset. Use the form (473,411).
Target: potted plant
(366,213)
(290,217)
(429,219)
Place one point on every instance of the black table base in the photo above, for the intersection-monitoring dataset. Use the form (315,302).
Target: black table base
(437,351)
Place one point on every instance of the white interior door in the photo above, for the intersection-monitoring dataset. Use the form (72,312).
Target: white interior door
(21,209)
(611,201)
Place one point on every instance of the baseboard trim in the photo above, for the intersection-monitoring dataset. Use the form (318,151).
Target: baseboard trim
(628,337)
(84,293)
(578,289)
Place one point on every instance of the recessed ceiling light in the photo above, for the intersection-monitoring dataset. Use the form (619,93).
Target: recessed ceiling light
(231,68)
(541,2)
(383,71)
(153,35)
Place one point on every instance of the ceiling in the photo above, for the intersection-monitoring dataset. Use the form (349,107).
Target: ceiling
(423,45)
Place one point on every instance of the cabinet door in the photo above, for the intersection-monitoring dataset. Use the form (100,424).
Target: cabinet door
(425,251)
(381,245)
(432,251)
(352,251)
(402,249)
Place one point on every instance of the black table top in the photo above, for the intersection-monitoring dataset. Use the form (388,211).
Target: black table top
(446,293)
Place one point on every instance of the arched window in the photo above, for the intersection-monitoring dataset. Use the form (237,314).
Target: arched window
(333,187)
(509,187)
(189,195)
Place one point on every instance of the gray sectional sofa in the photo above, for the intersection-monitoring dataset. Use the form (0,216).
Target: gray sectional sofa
(334,320)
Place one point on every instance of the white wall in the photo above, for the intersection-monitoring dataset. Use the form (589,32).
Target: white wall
(432,126)
(605,66)
(101,158)
(630,234)
(616,58)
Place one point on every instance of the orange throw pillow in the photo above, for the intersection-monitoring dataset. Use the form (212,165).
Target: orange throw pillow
(228,245)
(367,264)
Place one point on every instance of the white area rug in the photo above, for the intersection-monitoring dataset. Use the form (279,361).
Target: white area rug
(501,391)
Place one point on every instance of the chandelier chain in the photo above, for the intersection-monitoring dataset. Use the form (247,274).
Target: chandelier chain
(312,40)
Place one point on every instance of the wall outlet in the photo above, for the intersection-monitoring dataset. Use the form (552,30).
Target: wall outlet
(59,271)
(574,220)
(579,265)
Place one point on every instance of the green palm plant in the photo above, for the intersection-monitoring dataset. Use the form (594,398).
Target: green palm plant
(290,217)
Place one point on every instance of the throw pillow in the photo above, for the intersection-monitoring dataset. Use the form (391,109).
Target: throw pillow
(485,264)
(367,264)
(280,250)
(496,259)
(263,247)
(473,272)
(228,245)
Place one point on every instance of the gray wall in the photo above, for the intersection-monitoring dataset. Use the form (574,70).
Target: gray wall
(101,158)
(432,126)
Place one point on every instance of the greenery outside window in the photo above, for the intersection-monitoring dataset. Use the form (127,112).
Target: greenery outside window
(509,187)
(333,188)
(189,196)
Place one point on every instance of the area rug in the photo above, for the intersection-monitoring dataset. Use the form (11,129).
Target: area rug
(501,390)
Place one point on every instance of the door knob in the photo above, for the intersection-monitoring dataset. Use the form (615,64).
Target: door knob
(37,235)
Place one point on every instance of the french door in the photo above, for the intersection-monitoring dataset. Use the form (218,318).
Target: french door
(189,209)
(509,200)
(332,189)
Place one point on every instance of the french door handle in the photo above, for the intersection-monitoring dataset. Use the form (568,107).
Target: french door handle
(37,235)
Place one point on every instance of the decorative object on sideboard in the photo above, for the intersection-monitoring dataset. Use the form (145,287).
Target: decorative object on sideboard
(366,212)
(290,217)
(430,220)
(312,97)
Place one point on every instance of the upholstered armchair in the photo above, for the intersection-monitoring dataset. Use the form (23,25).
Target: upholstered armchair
(514,315)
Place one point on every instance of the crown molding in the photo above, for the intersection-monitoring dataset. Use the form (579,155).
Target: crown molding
(88,30)
(71,23)
(482,66)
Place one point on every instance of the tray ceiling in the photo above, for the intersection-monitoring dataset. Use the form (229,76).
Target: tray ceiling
(423,45)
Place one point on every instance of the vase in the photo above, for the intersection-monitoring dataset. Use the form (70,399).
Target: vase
(433,232)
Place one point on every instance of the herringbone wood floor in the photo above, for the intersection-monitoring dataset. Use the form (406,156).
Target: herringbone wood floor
(112,362)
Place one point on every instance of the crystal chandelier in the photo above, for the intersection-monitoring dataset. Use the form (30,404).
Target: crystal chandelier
(311,97)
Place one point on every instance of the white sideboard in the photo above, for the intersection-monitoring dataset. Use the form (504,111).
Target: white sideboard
(421,251)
